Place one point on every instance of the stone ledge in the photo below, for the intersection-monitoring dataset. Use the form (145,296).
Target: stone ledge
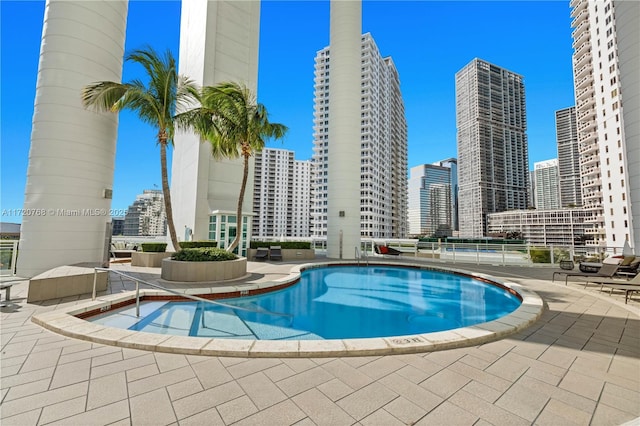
(64,281)
(175,270)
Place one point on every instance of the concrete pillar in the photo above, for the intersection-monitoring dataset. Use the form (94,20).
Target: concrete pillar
(218,42)
(343,205)
(71,160)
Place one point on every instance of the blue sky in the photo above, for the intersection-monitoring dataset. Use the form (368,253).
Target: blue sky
(429,42)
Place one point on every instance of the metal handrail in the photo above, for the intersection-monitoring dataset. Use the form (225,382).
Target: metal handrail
(177,293)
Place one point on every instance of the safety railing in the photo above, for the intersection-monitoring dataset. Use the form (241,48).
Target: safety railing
(8,256)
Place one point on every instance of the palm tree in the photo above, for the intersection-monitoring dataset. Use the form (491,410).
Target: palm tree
(155,104)
(236,125)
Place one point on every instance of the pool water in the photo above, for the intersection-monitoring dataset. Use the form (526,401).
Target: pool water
(338,302)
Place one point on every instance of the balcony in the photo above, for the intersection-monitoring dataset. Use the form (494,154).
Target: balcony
(582,49)
(584,93)
(586,126)
(583,27)
(582,60)
(586,104)
(582,15)
(577,6)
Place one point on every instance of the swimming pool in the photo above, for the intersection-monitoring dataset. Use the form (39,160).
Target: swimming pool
(335,302)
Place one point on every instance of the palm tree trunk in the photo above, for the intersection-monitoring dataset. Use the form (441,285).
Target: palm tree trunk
(245,176)
(167,196)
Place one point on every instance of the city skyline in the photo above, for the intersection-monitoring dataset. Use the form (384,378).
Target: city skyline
(415,43)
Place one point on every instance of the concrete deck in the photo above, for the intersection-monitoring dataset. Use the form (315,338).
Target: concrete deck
(579,364)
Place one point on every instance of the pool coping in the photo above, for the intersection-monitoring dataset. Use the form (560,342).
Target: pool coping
(65,322)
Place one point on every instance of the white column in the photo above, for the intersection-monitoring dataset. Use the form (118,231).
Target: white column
(343,209)
(71,160)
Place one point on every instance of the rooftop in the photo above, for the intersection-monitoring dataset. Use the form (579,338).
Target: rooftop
(578,364)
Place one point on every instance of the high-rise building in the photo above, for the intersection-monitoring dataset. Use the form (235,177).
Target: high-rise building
(604,169)
(568,158)
(281,194)
(146,216)
(383,157)
(452,164)
(430,205)
(627,25)
(546,184)
(492,144)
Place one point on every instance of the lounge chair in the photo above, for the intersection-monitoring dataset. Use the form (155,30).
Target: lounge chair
(608,269)
(628,286)
(262,253)
(275,253)
(386,250)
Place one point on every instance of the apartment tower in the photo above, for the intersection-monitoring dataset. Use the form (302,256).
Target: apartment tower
(383,146)
(146,216)
(281,194)
(546,183)
(492,144)
(568,158)
(604,169)
(430,205)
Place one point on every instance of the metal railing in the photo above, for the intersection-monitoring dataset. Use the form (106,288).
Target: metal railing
(177,293)
(8,256)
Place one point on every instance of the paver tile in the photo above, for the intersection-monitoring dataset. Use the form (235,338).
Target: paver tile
(483,409)
(445,383)
(582,384)
(168,362)
(558,413)
(381,417)
(185,388)
(208,417)
(122,366)
(237,409)
(404,410)
(261,390)
(251,366)
(40,360)
(320,409)
(366,400)
(355,378)
(621,399)
(73,372)
(606,415)
(42,399)
(409,390)
(100,416)
(107,390)
(152,408)
(211,373)
(158,381)
(380,367)
(284,413)
(304,381)
(279,372)
(63,409)
(142,372)
(447,414)
(522,401)
(335,389)
(201,401)
(23,419)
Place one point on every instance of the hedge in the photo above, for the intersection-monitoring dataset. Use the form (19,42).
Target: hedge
(203,254)
(197,244)
(154,247)
(300,245)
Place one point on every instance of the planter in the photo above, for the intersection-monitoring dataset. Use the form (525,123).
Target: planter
(149,259)
(175,270)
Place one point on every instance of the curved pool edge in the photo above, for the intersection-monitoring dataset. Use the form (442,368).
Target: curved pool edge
(66,323)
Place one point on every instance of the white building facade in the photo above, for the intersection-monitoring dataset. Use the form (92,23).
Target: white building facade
(568,158)
(493,162)
(281,194)
(546,181)
(383,148)
(563,227)
(604,168)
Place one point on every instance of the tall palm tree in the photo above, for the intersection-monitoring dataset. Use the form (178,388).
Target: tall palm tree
(236,125)
(155,104)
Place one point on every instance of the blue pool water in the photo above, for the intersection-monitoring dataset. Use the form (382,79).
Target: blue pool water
(332,303)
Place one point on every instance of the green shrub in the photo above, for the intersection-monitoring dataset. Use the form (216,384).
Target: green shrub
(154,247)
(541,255)
(203,254)
(197,244)
(299,245)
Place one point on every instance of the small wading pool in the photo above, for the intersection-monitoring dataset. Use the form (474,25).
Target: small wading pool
(336,302)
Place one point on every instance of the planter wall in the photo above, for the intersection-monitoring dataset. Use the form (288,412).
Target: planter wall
(149,259)
(174,270)
(289,254)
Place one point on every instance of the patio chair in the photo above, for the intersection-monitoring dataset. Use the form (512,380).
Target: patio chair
(386,250)
(262,253)
(275,253)
(628,286)
(608,269)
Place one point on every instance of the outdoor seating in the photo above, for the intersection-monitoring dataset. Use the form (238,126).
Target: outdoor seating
(386,250)
(262,253)
(628,286)
(607,270)
(275,253)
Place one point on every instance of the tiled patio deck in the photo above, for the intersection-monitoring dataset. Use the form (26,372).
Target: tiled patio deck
(579,364)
